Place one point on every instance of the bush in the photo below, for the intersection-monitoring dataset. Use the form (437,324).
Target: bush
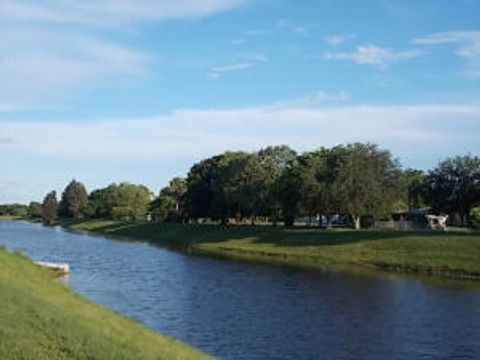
(475,216)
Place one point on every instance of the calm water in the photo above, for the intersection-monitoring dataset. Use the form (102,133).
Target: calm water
(244,311)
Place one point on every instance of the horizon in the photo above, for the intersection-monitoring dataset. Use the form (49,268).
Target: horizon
(138,92)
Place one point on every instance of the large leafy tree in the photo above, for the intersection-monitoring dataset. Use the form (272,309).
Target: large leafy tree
(454,186)
(169,203)
(50,208)
(366,181)
(228,187)
(289,190)
(253,190)
(74,201)
(220,187)
(199,194)
(318,187)
(34,210)
(275,160)
(124,200)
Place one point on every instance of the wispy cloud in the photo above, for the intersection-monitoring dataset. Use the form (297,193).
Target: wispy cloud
(379,57)
(256,57)
(216,72)
(313,99)
(238,41)
(194,133)
(50,50)
(337,39)
(49,65)
(250,61)
(103,13)
(301,30)
(468,43)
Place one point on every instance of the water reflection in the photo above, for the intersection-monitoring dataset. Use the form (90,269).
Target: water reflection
(245,311)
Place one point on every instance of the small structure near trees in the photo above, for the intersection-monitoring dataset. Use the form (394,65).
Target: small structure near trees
(437,222)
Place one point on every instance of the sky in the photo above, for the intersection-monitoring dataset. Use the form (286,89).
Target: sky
(139,90)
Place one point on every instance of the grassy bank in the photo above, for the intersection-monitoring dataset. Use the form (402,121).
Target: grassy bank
(43,319)
(451,254)
(9,217)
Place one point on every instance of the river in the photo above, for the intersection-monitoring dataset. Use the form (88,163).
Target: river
(238,310)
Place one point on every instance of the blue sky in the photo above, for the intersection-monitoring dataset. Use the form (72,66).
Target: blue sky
(108,91)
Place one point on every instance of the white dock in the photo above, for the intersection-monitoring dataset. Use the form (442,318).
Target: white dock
(61,269)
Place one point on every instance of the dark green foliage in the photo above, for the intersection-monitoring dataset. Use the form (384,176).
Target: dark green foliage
(74,201)
(199,196)
(289,190)
(366,181)
(355,181)
(34,210)
(122,201)
(453,187)
(50,208)
(16,210)
(275,160)
(169,203)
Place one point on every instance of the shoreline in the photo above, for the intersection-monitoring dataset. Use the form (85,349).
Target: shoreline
(454,254)
(41,318)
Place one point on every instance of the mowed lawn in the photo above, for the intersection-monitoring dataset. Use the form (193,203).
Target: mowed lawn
(454,254)
(42,319)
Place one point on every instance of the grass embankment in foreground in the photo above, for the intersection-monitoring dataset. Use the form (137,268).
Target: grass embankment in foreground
(43,319)
(453,254)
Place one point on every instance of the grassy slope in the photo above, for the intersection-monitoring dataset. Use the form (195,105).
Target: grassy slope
(9,217)
(43,319)
(456,253)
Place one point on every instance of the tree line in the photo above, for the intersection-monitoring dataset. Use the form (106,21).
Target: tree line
(356,181)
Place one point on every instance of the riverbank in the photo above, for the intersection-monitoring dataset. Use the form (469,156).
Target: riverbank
(10,217)
(454,254)
(42,319)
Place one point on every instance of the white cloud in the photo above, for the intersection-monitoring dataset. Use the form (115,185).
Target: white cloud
(300,30)
(251,61)
(103,13)
(373,55)
(51,49)
(238,41)
(256,57)
(37,66)
(194,133)
(335,40)
(313,99)
(468,43)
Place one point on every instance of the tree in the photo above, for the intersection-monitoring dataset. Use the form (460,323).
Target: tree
(50,208)
(412,189)
(227,186)
(453,187)
(124,201)
(199,196)
(18,210)
(34,210)
(367,181)
(127,200)
(254,182)
(289,190)
(214,187)
(74,201)
(275,160)
(169,203)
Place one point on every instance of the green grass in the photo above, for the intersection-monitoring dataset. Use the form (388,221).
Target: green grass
(42,319)
(452,254)
(9,217)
